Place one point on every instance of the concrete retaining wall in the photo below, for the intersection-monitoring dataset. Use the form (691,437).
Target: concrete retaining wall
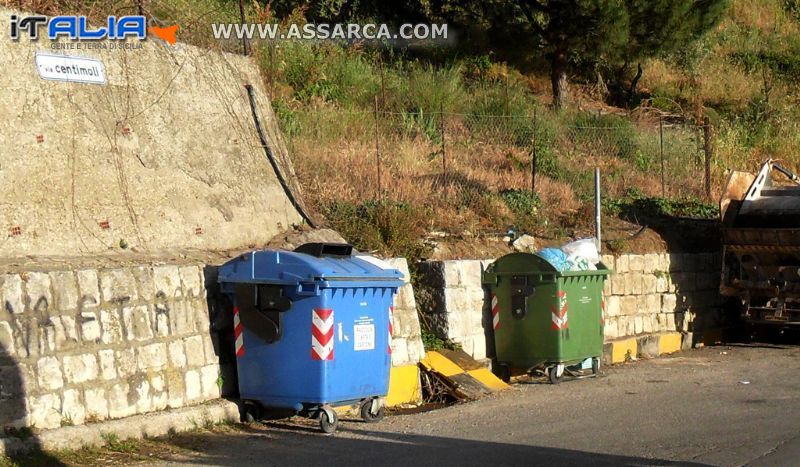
(646,294)
(164,156)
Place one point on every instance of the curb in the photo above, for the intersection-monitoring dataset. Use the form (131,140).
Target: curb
(135,427)
(646,346)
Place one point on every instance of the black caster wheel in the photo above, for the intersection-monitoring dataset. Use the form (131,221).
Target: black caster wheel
(502,371)
(252,412)
(555,373)
(328,420)
(595,366)
(372,410)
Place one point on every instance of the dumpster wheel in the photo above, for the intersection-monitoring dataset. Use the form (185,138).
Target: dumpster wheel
(372,410)
(555,373)
(328,420)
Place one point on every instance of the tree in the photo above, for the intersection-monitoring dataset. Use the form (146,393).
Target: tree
(583,33)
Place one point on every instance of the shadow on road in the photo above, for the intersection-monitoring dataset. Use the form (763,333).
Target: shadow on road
(278,446)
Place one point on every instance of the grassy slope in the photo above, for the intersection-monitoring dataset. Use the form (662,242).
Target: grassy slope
(740,75)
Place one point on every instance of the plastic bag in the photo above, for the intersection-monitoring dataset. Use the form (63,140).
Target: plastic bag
(555,257)
(585,247)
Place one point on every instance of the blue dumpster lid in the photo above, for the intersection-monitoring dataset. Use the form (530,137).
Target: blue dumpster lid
(290,267)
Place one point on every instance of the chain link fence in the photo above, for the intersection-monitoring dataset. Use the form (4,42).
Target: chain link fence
(487,172)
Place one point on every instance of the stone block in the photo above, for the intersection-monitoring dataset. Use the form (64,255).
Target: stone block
(40,298)
(663,262)
(192,281)
(108,369)
(451,271)
(192,386)
(650,263)
(119,403)
(622,264)
(6,339)
(142,396)
(662,283)
(618,283)
(167,281)
(90,326)
(158,389)
(629,305)
(70,328)
(638,324)
(613,306)
(80,368)
(117,285)
(647,324)
(176,388)
(96,403)
(144,282)
(669,303)
(608,261)
(12,293)
(610,330)
(160,316)
(471,273)
(399,351)
(636,263)
(478,347)
(177,355)
(635,284)
(649,284)
(137,323)
(50,377)
(152,357)
(125,362)
(647,346)
(45,411)
(111,325)
(65,290)
(652,303)
(182,318)
(209,378)
(88,288)
(73,410)
(195,352)
(210,344)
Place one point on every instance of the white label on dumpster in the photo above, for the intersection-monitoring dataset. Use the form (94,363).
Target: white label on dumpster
(364,336)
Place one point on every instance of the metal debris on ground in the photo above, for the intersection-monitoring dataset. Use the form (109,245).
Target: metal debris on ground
(452,375)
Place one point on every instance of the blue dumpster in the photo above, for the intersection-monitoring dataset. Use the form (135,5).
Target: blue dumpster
(312,330)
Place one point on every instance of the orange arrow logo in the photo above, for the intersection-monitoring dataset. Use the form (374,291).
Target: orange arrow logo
(166,34)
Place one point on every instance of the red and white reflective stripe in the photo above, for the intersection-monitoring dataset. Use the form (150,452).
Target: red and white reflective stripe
(389,345)
(603,310)
(322,334)
(238,333)
(495,312)
(559,314)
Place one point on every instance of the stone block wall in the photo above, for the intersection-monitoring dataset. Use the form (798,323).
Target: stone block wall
(453,302)
(662,292)
(407,345)
(646,294)
(88,345)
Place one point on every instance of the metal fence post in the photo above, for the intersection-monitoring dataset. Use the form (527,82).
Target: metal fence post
(708,148)
(533,154)
(597,208)
(444,147)
(245,40)
(377,150)
(661,142)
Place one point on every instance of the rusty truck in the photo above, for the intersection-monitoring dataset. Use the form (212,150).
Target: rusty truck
(760,215)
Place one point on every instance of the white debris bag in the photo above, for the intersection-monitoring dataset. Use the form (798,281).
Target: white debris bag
(585,248)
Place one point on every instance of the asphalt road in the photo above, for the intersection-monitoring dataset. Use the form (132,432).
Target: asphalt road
(731,405)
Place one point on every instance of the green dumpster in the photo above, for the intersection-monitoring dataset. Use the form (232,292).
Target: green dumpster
(545,320)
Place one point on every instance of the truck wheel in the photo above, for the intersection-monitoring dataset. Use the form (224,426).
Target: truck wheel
(555,373)
(372,410)
(328,420)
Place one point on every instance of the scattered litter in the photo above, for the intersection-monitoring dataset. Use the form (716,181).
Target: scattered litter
(723,353)
(744,382)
